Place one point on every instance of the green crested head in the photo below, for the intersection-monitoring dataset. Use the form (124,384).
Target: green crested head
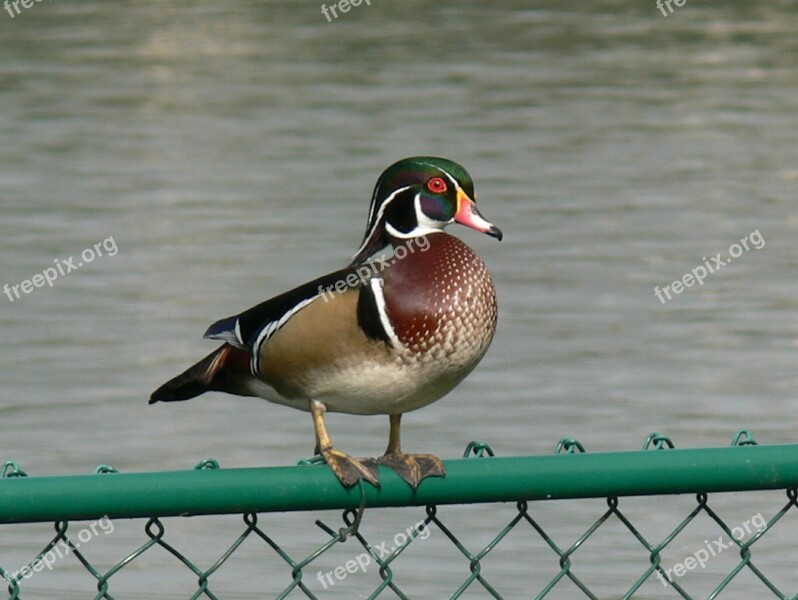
(416,196)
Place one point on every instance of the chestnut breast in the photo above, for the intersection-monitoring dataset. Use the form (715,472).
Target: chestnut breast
(441,299)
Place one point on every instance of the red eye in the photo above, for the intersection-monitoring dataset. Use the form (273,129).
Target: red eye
(436,185)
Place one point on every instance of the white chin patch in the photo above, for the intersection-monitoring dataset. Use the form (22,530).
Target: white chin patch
(418,231)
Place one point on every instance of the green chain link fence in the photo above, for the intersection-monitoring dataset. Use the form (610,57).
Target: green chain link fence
(658,471)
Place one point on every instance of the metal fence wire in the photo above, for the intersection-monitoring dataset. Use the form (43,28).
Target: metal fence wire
(525,482)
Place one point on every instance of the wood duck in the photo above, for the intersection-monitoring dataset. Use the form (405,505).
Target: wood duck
(384,335)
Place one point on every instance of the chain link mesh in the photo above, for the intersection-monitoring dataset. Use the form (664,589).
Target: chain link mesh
(307,578)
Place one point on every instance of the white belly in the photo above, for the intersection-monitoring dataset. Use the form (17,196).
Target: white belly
(370,389)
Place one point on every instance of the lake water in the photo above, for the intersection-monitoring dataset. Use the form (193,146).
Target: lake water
(229,150)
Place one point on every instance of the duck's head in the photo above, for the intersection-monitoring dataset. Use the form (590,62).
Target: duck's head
(417,196)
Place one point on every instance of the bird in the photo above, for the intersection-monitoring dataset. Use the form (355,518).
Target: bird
(398,328)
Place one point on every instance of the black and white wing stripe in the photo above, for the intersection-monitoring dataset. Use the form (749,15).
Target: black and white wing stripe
(251,329)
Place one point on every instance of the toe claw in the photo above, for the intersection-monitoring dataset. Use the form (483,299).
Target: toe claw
(403,465)
(431,466)
(350,470)
(413,468)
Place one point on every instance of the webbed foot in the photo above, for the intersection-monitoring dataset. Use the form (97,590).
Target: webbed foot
(413,468)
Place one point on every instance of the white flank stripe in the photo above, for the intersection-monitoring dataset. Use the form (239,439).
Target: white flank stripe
(377,284)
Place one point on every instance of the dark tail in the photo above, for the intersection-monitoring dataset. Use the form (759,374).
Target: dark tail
(226,369)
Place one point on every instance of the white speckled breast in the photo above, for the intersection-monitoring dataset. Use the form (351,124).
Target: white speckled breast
(442,304)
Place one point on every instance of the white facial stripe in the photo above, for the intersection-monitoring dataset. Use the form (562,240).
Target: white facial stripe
(372,206)
(378,218)
(377,285)
(448,176)
(452,179)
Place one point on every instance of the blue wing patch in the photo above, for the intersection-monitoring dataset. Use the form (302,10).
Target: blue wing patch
(228,330)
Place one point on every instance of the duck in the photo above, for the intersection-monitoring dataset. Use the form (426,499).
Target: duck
(398,328)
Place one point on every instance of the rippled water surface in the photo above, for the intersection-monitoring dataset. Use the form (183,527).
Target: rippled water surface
(228,150)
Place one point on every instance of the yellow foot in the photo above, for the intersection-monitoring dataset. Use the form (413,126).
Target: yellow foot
(350,470)
(413,468)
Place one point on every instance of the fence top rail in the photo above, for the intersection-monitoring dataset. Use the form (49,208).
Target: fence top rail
(211,490)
